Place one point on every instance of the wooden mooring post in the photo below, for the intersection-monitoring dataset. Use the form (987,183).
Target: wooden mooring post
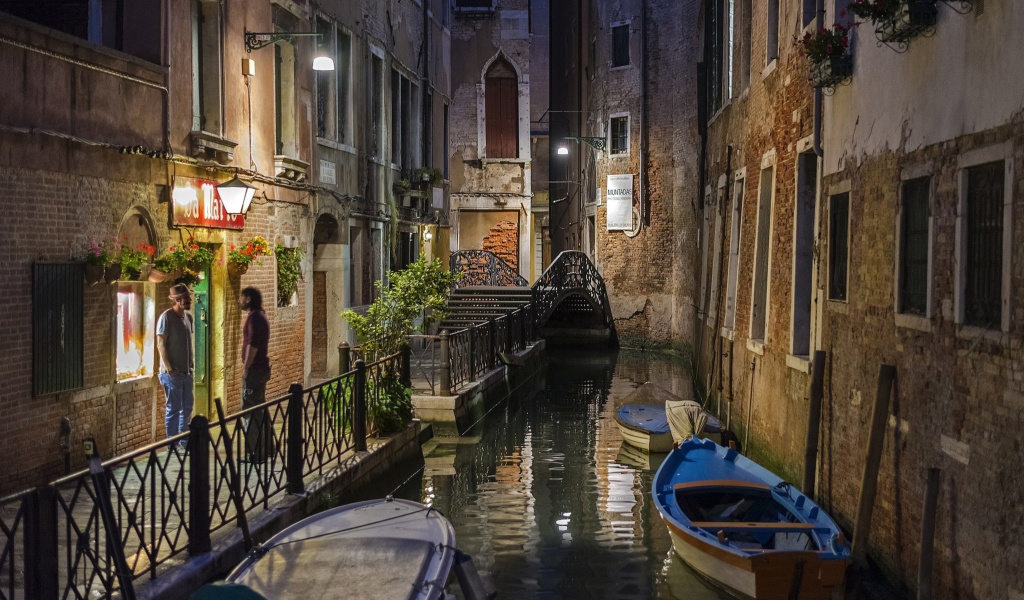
(813,423)
(869,482)
(924,567)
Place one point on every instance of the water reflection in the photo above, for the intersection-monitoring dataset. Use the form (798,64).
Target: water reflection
(547,499)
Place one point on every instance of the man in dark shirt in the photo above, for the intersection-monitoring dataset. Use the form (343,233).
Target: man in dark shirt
(255,374)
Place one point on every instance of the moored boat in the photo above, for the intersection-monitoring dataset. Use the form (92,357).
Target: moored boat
(743,527)
(644,427)
(377,549)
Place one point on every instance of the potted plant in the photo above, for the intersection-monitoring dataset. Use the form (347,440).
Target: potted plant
(896,20)
(187,260)
(134,261)
(289,272)
(239,259)
(401,186)
(427,176)
(101,257)
(827,51)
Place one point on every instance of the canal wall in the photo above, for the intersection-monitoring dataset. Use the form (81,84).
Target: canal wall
(457,413)
(360,469)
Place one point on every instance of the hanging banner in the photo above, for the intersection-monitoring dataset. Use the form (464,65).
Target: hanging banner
(620,202)
(195,203)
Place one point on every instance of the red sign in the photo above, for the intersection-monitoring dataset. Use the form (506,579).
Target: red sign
(195,202)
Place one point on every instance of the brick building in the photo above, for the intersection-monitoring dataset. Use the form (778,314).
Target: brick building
(492,144)
(630,98)
(127,115)
(887,239)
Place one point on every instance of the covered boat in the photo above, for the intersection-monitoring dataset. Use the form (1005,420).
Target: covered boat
(644,427)
(386,549)
(741,526)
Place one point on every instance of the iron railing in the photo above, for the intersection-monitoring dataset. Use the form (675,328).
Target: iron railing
(481,267)
(167,499)
(571,273)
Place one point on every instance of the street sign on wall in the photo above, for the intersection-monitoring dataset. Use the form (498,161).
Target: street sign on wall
(195,203)
(620,202)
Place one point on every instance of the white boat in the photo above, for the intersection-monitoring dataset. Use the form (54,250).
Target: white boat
(378,549)
(644,427)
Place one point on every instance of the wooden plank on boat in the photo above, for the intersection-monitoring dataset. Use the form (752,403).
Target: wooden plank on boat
(731,526)
(721,483)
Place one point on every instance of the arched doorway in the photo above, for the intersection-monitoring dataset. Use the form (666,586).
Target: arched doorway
(328,284)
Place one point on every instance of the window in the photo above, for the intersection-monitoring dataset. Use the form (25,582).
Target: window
(730,46)
(772,48)
(838,245)
(396,117)
(809,12)
(913,250)
(326,89)
(705,249)
(405,145)
(734,254)
(759,309)
(745,14)
(57,327)
(284,99)
(206,67)
(716,259)
(803,251)
(343,74)
(364,263)
(620,45)
(376,106)
(619,128)
(406,251)
(501,111)
(445,125)
(983,256)
(134,343)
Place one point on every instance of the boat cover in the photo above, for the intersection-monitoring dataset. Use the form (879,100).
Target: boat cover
(647,418)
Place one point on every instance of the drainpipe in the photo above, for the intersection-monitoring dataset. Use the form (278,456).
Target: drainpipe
(167,78)
(820,8)
(644,216)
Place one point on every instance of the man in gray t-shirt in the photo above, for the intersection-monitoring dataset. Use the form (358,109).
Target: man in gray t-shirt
(174,333)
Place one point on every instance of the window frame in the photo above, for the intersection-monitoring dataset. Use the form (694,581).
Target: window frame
(207,68)
(974,158)
(914,320)
(611,134)
(621,26)
(773,41)
(767,162)
(735,249)
(832,247)
(804,210)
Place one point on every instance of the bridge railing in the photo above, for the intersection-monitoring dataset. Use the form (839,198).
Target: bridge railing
(570,273)
(169,497)
(482,267)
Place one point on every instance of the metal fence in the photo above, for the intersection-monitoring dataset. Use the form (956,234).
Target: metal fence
(77,537)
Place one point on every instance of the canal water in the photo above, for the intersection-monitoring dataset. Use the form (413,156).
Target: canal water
(544,495)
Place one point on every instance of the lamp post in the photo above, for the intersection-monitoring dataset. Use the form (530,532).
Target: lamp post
(255,40)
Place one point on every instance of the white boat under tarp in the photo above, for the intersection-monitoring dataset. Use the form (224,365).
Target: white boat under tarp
(378,549)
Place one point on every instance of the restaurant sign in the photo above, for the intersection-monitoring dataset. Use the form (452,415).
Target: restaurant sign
(196,203)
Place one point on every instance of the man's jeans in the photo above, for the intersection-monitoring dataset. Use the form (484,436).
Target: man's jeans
(180,398)
(259,432)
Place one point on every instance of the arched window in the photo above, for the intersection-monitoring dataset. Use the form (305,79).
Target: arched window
(502,111)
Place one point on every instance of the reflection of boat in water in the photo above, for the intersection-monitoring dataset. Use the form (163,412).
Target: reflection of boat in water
(740,525)
(374,549)
(631,456)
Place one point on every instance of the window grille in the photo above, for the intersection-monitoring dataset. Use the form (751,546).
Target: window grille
(838,245)
(984,255)
(914,247)
(57,327)
(620,135)
(620,45)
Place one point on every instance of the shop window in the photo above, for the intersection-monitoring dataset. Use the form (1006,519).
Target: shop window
(134,342)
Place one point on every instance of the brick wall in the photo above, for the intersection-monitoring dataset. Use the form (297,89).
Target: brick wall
(503,241)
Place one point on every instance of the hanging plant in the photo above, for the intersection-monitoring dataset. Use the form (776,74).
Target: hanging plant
(827,52)
(239,259)
(188,258)
(289,272)
(133,261)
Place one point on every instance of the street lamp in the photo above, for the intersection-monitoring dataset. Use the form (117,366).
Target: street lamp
(595,142)
(256,40)
(235,195)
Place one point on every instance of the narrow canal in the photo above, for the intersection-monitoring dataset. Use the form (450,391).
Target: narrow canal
(544,495)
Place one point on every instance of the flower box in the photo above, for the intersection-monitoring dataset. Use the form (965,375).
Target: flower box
(913,18)
(832,71)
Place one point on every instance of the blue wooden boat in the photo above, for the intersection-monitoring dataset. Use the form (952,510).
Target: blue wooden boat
(645,427)
(740,525)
